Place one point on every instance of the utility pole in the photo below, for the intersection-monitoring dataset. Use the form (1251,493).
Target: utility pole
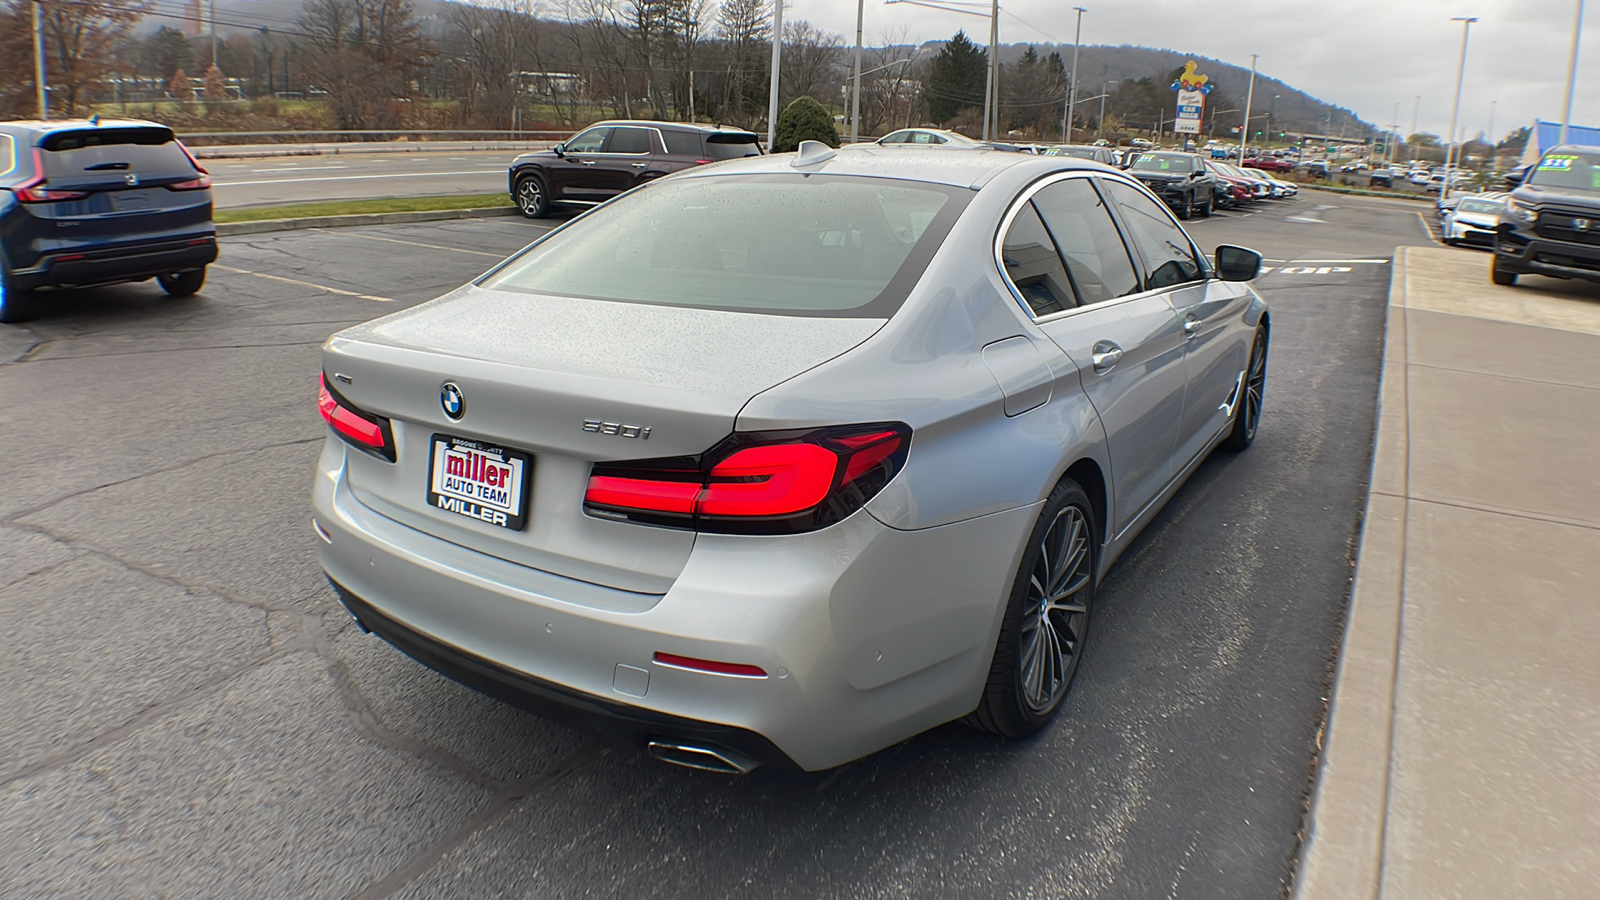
(1072,89)
(1101,131)
(1455,110)
(38,61)
(1489,135)
(1572,71)
(777,57)
(991,100)
(855,90)
(213,33)
(1249,97)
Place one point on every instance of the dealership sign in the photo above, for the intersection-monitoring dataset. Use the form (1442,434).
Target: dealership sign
(1192,89)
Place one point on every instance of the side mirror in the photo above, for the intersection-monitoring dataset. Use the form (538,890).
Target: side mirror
(561,150)
(1237,263)
(1518,175)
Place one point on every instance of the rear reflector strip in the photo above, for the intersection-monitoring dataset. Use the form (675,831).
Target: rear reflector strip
(738,670)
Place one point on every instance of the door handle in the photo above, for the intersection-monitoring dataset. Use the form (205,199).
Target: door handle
(1105,355)
(586,162)
(639,165)
(1191,326)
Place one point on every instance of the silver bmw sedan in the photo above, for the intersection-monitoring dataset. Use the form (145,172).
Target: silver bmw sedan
(786,459)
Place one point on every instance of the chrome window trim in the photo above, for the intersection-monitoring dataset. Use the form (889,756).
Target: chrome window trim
(1027,196)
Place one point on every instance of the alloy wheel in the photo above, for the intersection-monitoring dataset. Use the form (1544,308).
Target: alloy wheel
(1256,384)
(1055,612)
(530,197)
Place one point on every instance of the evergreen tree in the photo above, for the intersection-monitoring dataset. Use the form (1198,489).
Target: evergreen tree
(955,79)
(803,120)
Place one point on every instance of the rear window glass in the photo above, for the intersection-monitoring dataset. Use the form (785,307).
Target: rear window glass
(791,244)
(144,151)
(731,146)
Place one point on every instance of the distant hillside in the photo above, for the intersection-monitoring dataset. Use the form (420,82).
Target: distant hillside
(1295,110)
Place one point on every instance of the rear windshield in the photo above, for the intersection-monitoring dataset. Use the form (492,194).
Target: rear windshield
(1568,171)
(731,146)
(92,153)
(1076,152)
(813,245)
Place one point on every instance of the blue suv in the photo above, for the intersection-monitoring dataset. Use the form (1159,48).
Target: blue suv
(98,202)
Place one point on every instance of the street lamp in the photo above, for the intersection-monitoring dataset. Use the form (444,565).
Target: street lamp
(777,57)
(1249,97)
(1455,110)
(1100,132)
(991,102)
(1572,70)
(1072,89)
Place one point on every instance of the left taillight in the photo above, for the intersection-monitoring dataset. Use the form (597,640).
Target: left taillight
(361,430)
(755,483)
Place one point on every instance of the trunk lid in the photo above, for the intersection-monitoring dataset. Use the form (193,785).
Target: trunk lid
(570,382)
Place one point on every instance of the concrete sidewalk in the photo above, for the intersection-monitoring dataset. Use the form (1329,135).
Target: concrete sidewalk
(1462,754)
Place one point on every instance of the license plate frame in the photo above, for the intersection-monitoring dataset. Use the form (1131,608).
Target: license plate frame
(130,201)
(479,480)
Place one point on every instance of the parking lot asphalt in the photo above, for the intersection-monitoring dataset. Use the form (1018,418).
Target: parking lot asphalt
(189,712)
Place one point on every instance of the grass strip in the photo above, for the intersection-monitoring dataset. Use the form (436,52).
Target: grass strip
(362,207)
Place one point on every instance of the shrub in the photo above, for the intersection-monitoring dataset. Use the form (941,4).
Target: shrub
(803,120)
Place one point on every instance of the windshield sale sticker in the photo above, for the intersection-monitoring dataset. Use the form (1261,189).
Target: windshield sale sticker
(1557,162)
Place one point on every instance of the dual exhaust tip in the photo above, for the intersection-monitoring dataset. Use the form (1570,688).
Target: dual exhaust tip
(705,757)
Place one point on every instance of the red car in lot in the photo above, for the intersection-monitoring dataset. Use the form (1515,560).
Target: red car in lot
(1269,163)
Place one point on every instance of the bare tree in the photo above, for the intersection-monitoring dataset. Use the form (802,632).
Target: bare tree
(494,46)
(810,62)
(891,89)
(744,27)
(79,39)
(365,54)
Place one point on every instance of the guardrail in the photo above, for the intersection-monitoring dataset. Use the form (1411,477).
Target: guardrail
(222,138)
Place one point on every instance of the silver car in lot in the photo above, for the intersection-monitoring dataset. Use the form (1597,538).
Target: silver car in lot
(786,459)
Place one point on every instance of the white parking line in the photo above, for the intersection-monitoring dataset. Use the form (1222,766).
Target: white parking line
(373,237)
(305,284)
(1335,262)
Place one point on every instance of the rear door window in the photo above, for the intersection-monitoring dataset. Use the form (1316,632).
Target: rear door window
(111,154)
(731,146)
(682,143)
(629,140)
(1088,239)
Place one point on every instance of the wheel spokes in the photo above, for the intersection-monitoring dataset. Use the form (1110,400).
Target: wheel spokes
(1054,599)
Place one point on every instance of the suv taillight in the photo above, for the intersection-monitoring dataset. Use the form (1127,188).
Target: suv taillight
(361,430)
(755,483)
(199,182)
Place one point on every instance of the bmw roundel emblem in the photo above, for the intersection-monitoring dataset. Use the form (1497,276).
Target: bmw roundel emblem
(451,399)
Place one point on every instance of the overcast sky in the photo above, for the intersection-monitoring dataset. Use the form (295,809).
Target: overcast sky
(1365,55)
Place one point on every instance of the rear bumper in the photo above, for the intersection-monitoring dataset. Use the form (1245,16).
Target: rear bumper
(83,268)
(868,634)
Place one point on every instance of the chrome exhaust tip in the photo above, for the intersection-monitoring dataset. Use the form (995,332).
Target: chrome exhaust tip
(706,758)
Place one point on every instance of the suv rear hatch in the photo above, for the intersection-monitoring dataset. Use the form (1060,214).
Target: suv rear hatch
(119,186)
(568,382)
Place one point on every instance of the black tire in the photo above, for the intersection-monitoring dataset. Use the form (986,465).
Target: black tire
(182,284)
(1017,700)
(532,197)
(1500,274)
(1187,209)
(1247,409)
(1205,211)
(16,305)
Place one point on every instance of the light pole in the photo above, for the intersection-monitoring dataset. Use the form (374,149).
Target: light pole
(1249,97)
(855,90)
(1100,132)
(1455,109)
(1572,70)
(1416,107)
(1072,89)
(777,57)
(991,99)
(38,62)
(1489,134)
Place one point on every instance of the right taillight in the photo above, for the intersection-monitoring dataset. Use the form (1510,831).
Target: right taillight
(359,429)
(756,483)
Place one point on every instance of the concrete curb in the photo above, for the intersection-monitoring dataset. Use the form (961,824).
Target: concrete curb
(431,215)
(1342,856)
